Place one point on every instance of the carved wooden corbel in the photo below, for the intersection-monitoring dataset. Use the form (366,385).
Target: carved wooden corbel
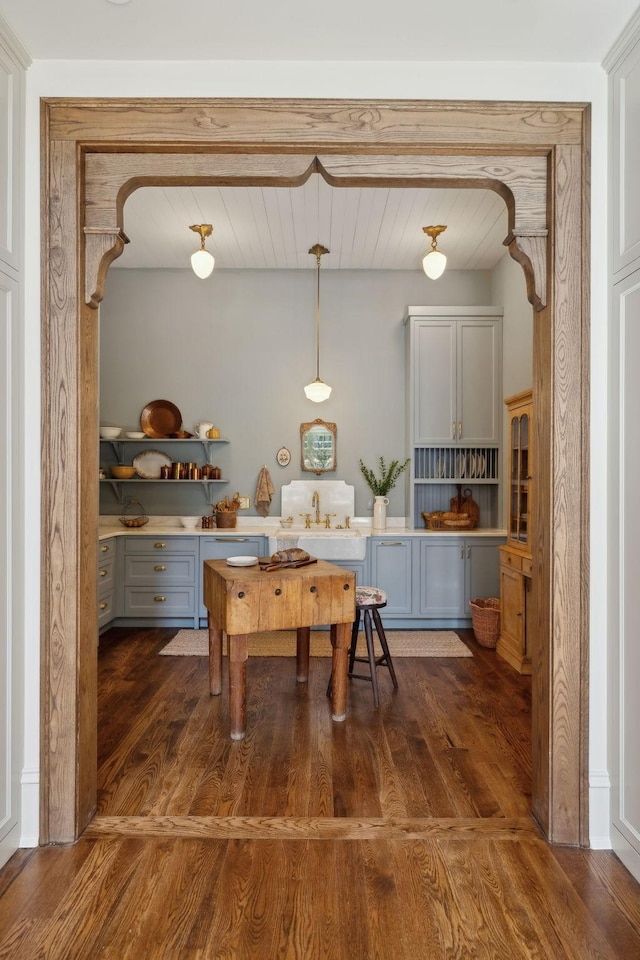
(102,247)
(530,251)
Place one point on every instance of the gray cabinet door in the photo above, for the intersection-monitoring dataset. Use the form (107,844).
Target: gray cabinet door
(442,577)
(391,571)
(434,349)
(482,570)
(478,381)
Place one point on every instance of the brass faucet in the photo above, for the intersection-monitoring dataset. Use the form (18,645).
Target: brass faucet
(315,502)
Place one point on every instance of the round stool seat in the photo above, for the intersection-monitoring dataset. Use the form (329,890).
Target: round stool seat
(370,597)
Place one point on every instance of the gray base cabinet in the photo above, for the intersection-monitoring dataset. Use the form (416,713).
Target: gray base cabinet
(106,582)
(159,577)
(432,579)
(392,571)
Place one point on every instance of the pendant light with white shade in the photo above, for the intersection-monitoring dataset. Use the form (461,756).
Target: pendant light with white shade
(202,262)
(317,390)
(435,261)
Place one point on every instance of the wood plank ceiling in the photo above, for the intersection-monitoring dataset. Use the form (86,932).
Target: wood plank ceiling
(368,228)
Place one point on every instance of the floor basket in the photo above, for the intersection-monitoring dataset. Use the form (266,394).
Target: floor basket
(485,617)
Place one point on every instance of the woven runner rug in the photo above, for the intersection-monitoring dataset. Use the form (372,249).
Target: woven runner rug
(282,643)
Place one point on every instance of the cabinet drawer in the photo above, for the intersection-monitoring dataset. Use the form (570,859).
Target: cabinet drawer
(105,608)
(513,560)
(105,575)
(527,566)
(106,548)
(160,545)
(157,570)
(152,602)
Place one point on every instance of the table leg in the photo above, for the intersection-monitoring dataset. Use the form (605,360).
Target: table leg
(303,635)
(238,653)
(215,658)
(340,635)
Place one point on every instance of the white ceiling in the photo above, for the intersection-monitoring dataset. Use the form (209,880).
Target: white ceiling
(273,228)
(405,30)
(363,228)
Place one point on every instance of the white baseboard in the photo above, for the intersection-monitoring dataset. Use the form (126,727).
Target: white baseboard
(30,826)
(599,810)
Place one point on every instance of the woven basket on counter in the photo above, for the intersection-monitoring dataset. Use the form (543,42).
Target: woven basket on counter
(446,520)
(485,617)
(226,519)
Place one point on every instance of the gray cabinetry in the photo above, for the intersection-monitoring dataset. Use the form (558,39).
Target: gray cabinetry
(455,375)
(392,570)
(106,582)
(482,569)
(221,547)
(454,407)
(441,592)
(159,579)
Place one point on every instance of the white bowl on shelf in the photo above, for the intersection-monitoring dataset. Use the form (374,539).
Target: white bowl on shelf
(110,433)
(135,434)
(190,523)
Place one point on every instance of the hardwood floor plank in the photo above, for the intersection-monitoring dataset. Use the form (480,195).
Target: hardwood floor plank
(312,828)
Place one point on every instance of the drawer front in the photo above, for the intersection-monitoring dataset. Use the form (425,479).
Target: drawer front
(105,608)
(105,575)
(151,602)
(513,560)
(106,548)
(219,548)
(158,570)
(527,567)
(160,545)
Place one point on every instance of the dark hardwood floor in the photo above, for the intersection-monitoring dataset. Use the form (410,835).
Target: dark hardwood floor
(403,833)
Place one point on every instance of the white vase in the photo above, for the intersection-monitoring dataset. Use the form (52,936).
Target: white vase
(380,513)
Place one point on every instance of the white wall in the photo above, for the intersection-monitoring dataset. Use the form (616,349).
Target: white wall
(472,81)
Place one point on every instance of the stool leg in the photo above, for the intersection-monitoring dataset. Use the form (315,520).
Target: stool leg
(385,647)
(354,640)
(372,656)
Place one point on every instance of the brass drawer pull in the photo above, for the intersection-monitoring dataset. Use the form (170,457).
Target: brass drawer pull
(103,573)
(160,566)
(105,548)
(160,599)
(231,539)
(159,545)
(391,543)
(104,605)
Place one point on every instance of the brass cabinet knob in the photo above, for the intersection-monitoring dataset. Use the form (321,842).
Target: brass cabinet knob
(160,599)
(103,573)
(105,548)
(159,545)
(160,566)
(104,605)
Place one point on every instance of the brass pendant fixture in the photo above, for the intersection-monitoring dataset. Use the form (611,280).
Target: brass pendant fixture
(202,262)
(317,390)
(435,261)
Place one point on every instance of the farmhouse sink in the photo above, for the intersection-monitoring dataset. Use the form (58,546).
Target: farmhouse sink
(323,544)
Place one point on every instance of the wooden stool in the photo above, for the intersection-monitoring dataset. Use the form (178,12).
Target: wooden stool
(369,600)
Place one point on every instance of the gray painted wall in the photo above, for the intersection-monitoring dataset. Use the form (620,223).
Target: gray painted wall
(238,349)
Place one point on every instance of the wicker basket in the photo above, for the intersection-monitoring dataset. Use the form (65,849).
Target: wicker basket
(433,521)
(485,616)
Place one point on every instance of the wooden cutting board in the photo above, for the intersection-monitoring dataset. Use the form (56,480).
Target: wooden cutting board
(470,507)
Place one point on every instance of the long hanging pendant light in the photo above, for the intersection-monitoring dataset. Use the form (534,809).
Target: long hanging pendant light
(317,390)
(435,261)
(202,262)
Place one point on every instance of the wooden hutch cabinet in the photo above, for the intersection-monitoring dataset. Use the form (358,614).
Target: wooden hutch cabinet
(515,557)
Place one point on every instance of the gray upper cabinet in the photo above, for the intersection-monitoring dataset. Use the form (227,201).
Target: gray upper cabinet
(455,363)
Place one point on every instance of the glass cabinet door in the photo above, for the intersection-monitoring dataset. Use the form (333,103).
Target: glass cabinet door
(519,478)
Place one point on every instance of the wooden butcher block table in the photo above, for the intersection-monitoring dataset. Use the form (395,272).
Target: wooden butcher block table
(244,600)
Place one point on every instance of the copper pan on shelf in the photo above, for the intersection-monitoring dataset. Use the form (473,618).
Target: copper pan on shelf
(161,419)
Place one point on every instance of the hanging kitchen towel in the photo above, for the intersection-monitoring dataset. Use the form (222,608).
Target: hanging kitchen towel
(264,492)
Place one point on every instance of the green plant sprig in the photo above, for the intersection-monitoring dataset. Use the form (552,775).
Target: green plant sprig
(380,485)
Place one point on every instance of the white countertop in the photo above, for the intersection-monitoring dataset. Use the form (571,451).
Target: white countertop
(110,526)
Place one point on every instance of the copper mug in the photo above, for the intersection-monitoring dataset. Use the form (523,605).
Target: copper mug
(177,470)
